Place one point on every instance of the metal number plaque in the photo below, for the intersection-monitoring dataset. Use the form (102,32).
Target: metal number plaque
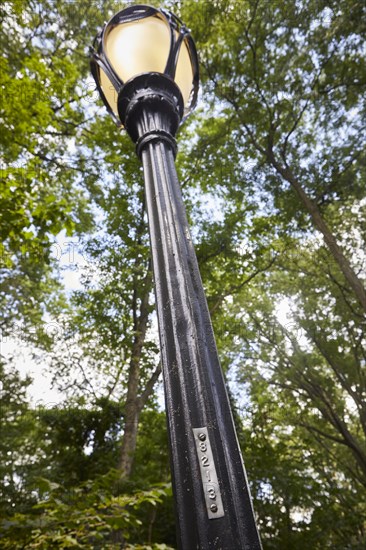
(210,482)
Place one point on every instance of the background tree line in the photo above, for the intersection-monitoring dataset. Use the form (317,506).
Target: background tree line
(272,168)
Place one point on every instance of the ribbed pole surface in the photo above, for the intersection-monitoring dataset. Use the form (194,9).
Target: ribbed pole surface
(194,386)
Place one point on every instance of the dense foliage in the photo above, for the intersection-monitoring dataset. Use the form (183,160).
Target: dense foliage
(272,167)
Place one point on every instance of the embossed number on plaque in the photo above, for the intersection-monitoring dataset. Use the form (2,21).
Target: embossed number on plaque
(210,482)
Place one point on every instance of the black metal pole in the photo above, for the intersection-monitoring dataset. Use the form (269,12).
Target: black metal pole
(213,503)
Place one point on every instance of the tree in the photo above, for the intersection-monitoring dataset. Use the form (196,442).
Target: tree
(44,110)
(109,320)
(289,78)
(302,394)
(16,446)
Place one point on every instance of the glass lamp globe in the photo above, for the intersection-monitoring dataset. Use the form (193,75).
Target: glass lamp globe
(143,40)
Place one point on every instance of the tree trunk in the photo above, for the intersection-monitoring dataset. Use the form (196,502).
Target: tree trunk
(133,404)
(343,263)
(131,419)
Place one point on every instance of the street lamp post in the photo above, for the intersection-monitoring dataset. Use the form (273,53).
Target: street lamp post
(145,66)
